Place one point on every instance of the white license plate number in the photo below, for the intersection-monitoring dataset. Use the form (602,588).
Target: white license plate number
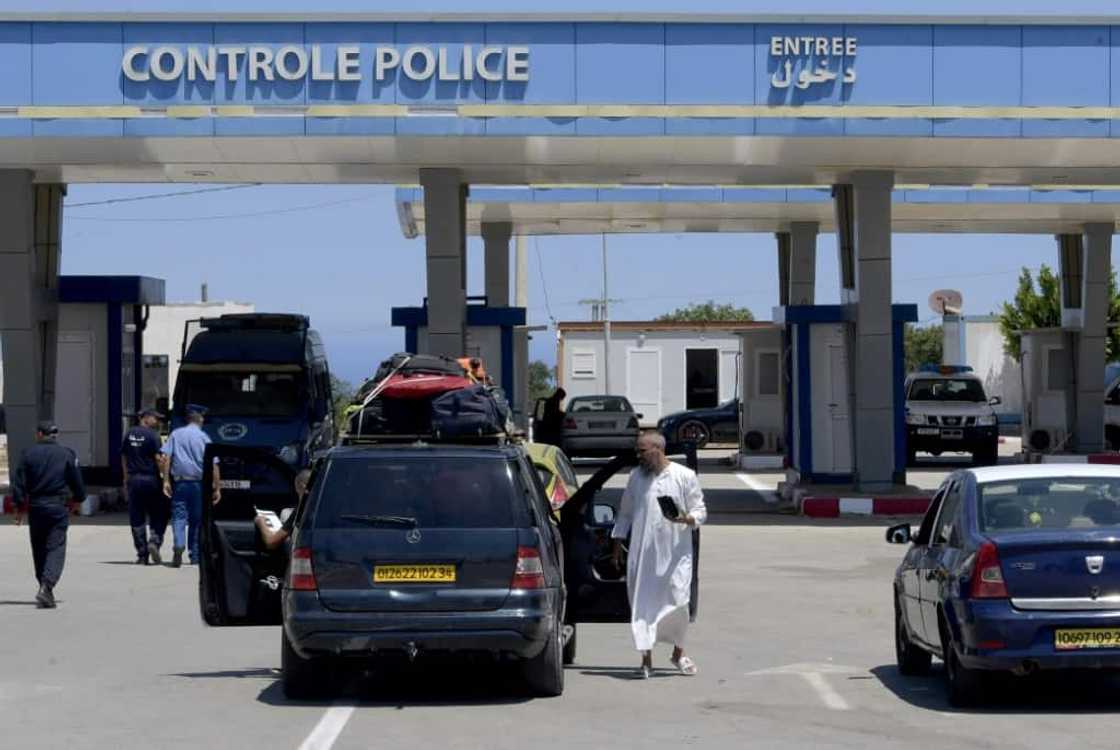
(928,431)
(235,484)
(952,434)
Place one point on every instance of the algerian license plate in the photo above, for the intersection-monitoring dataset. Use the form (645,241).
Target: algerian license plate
(1069,640)
(928,431)
(601,425)
(414,574)
(235,484)
(952,434)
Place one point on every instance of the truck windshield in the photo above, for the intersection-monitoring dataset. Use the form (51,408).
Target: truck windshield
(946,390)
(243,394)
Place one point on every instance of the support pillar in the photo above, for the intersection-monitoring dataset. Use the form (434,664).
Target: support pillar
(30,250)
(1085,264)
(868,207)
(445,211)
(495,239)
(803,262)
(521,403)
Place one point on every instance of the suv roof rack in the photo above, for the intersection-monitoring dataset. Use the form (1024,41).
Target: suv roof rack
(501,438)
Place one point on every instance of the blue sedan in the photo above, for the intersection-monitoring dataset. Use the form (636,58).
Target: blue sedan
(1013,569)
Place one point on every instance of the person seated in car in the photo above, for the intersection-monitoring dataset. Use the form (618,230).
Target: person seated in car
(273,539)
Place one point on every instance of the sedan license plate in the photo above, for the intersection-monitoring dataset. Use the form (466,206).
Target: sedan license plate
(235,484)
(952,434)
(601,425)
(414,574)
(1070,640)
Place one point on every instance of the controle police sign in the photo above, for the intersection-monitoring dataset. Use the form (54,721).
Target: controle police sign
(296,63)
(821,48)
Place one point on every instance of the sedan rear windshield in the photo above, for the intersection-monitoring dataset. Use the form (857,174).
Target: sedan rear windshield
(931,389)
(433,492)
(585,404)
(1049,504)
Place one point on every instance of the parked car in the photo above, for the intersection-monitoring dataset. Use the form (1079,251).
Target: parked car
(1013,569)
(403,549)
(599,426)
(947,410)
(702,426)
(556,472)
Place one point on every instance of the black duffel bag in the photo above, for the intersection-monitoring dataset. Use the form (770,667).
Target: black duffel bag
(467,412)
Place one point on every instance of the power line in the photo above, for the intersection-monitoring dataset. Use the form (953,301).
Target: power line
(218,217)
(544,286)
(153,196)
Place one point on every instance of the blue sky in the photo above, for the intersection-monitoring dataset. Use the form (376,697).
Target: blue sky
(336,253)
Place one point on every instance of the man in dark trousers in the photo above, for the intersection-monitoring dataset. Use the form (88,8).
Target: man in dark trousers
(148,509)
(40,483)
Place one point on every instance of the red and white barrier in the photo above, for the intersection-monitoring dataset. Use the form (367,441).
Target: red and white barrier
(1091,458)
(833,507)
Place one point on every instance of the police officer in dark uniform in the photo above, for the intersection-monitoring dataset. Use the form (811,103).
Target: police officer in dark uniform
(40,483)
(148,509)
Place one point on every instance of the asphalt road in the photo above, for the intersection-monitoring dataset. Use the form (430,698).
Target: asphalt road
(793,643)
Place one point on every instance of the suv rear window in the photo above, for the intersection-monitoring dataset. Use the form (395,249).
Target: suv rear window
(439,492)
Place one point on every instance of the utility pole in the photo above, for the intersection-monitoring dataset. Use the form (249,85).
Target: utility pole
(600,313)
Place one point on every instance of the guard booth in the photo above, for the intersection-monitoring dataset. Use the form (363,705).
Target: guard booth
(762,416)
(99,379)
(489,336)
(819,396)
(1047,371)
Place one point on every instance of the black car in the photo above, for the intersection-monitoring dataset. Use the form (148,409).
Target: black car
(409,550)
(702,426)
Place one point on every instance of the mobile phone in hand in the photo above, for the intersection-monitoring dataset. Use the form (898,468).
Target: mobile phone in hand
(668,507)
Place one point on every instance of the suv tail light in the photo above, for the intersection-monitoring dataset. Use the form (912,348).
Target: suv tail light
(529,573)
(559,494)
(570,424)
(633,423)
(301,577)
(987,575)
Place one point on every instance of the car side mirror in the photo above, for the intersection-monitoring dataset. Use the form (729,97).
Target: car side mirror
(639,415)
(995,401)
(900,534)
(602,515)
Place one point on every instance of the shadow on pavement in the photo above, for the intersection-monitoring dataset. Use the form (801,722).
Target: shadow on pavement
(1075,692)
(12,603)
(258,673)
(626,674)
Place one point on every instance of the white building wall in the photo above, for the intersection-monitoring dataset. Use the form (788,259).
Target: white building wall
(983,344)
(671,345)
(164,334)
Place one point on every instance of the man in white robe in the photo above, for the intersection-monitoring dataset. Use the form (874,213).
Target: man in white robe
(659,564)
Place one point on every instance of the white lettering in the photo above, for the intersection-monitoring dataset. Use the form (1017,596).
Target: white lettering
(822,46)
(484,72)
(424,73)
(161,71)
(260,63)
(197,65)
(387,58)
(128,64)
(444,73)
(231,54)
(837,45)
(317,72)
(791,46)
(467,62)
(517,64)
(850,46)
(349,64)
(284,70)
(775,46)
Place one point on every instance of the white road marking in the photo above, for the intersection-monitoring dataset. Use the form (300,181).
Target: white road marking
(324,734)
(754,484)
(814,675)
(828,696)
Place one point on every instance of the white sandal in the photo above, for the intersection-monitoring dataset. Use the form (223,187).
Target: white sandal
(686,666)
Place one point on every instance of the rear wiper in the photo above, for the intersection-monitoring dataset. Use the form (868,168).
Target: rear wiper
(403,521)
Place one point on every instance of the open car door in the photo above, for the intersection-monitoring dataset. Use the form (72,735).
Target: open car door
(240,581)
(596,589)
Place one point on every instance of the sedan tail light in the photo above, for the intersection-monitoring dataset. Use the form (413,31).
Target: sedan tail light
(570,424)
(559,494)
(633,424)
(529,573)
(301,577)
(987,575)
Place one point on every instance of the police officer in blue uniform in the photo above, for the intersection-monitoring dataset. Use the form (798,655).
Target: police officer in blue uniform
(44,474)
(148,509)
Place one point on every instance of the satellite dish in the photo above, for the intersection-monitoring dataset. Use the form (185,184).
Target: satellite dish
(946,301)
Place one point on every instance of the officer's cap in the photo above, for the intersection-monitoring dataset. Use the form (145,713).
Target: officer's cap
(47,427)
(196,409)
(150,413)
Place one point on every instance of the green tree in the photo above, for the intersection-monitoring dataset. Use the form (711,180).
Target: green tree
(341,393)
(1041,307)
(707,312)
(923,346)
(540,381)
